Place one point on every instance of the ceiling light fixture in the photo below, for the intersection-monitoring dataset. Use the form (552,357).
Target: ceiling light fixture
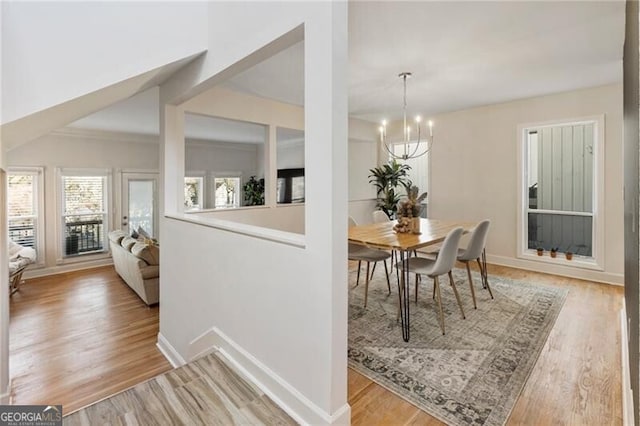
(422,144)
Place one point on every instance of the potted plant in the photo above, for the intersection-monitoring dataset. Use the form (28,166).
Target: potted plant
(409,208)
(553,252)
(253,192)
(387,179)
(540,251)
(568,255)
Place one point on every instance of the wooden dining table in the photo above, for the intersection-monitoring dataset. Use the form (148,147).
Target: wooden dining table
(382,236)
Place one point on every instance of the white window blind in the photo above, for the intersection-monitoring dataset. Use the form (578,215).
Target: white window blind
(84,214)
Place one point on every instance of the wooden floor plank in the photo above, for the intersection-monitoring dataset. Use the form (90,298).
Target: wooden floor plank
(79,337)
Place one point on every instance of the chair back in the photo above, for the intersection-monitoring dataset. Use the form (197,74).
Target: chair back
(477,241)
(380,217)
(448,252)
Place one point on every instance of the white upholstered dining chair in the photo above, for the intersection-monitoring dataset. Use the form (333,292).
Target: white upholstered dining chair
(443,264)
(369,255)
(474,252)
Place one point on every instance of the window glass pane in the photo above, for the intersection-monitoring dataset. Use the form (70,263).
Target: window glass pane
(227,191)
(563,232)
(84,214)
(560,168)
(23,231)
(193,194)
(141,205)
(20,196)
(21,201)
(83,194)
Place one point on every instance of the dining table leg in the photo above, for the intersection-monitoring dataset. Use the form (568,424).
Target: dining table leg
(403,294)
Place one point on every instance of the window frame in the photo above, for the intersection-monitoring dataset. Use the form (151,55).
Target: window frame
(204,201)
(597,260)
(107,195)
(40,240)
(226,175)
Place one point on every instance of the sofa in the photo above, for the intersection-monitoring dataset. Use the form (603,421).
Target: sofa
(138,264)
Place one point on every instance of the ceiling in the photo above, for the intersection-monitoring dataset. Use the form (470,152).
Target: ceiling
(461,54)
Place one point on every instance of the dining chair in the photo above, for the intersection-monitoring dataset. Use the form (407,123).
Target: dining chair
(474,251)
(369,255)
(434,268)
(380,217)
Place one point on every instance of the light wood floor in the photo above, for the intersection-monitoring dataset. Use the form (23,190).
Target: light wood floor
(576,381)
(79,337)
(207,391)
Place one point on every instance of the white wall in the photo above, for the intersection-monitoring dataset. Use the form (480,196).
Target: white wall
(287,218)
(363,155)
(474,170)
(57,51)
(284,318)
(290,155)
(221,156)
(81,149)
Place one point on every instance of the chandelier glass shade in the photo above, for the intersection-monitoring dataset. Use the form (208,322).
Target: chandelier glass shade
(414,142)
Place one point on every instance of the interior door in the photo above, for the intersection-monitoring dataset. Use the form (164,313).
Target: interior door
(140,202)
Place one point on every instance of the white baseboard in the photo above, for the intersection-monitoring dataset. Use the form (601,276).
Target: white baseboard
(169,352)
(281,392)
(59,269)
(627,392)
(564,271)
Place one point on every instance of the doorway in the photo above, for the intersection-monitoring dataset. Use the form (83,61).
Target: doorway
(139,203)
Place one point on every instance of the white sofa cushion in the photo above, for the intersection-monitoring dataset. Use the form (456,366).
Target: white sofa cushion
(128,242)
(150,271)
(117,236)
(146,252)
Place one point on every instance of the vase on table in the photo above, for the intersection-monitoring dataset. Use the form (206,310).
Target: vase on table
(415,225)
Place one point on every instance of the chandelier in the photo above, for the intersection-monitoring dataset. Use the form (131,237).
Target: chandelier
(410,148)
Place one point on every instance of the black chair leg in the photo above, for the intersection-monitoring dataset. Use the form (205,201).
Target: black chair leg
(386,273)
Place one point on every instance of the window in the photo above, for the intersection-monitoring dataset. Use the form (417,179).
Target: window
(25,204)
(419,173)
(193,193)
(227,192)
(84,213)
(560,192)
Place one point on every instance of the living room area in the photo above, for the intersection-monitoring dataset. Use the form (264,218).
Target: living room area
(204,208)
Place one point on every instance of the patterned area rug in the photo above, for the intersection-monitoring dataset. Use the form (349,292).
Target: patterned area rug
(474,374)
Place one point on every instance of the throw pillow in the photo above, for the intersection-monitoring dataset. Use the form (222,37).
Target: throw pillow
(128,242)
(143,233)
(150,254)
